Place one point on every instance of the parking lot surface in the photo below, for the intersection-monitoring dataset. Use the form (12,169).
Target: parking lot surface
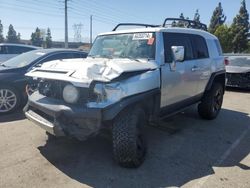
(197,153)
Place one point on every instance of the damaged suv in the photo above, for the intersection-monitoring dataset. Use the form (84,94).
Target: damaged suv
(130,78)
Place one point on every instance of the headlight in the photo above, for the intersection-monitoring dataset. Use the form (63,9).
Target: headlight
(100,93)
(70,94)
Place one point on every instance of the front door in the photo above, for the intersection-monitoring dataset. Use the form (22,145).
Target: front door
(179,83)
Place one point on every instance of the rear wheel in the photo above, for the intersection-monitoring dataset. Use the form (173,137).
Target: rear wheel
(211,103)
(9,99)
(129,147)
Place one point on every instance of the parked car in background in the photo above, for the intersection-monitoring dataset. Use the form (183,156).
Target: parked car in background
(238,71)
(9,50)
(13,80)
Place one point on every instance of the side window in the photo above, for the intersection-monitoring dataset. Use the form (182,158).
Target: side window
(177,39)
(83,55)
(2,50)
(14,50)
(25,49)
(55,57)
(76,55)
(59,56)
(200,47)
(217,43)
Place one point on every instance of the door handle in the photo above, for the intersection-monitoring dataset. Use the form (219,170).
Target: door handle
(195,68)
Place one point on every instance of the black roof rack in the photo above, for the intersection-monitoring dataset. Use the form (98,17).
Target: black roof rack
(134,24)
(186,23)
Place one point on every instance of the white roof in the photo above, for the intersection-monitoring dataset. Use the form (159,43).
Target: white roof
(203,33)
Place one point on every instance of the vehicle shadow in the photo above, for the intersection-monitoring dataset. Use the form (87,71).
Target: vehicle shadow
(173,159)
(19,115)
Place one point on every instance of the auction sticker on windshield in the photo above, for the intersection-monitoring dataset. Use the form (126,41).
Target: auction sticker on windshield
(142,36)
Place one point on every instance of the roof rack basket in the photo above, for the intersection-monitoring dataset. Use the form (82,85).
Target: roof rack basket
(134,24)
(185,23)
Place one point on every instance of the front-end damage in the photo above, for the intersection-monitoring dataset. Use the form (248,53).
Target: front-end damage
(238,77)
(104,87)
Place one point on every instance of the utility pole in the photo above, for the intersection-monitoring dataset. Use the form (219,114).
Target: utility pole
(90,37)
(66,24)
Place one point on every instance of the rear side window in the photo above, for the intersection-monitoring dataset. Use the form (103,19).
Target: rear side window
(16,49)
(200,47)
(177,39)
(2,50)
(218,46)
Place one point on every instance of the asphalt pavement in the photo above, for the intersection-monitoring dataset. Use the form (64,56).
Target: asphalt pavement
(198,153)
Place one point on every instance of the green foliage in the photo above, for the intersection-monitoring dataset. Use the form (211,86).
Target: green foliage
(217,19)
(1,32)
(225,36)
(197,16)
(240,29)
(48,41)
(36,38)
(11,36)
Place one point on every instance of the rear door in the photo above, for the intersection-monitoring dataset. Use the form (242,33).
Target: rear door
(178,83)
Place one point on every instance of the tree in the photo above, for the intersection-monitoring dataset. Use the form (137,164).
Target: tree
(224,35)
(48,42)
(36,38)
(217,19)
(1,32)
(11,36)
(197,16)
(240,29)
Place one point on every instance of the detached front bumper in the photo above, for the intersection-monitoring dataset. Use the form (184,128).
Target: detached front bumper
(240,80)
(61,119)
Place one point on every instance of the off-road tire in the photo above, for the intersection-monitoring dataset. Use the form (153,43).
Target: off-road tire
(129,147)
(211,102)
(17,98)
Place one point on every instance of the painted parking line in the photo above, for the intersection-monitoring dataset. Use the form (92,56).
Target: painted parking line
(202,181)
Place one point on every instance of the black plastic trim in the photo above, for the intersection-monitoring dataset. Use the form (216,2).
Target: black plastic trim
(213,76)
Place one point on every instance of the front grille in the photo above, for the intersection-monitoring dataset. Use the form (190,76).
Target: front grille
(238,79)
(54,89)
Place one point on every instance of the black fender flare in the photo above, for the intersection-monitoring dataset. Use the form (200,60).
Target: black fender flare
(214,76)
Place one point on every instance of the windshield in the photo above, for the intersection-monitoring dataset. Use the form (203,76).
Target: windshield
(23,59)
(133,45)
(242,61)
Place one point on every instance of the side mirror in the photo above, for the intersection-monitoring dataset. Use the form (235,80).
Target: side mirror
(178,53)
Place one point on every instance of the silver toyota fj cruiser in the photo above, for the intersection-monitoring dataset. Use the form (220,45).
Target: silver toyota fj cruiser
(130,78)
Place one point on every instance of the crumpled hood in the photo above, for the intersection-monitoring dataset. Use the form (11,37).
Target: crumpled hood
(86,70)
(237,69)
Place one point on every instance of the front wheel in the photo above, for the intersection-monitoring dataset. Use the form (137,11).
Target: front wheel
(211,103)
(9,99)
(129,146)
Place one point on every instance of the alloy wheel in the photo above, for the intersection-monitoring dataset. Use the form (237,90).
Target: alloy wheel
(8,100)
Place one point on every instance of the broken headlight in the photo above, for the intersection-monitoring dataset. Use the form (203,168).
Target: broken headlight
(108,92)
(100,93)
(70,94)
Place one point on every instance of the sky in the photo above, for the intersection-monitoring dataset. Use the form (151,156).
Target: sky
(26,15)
